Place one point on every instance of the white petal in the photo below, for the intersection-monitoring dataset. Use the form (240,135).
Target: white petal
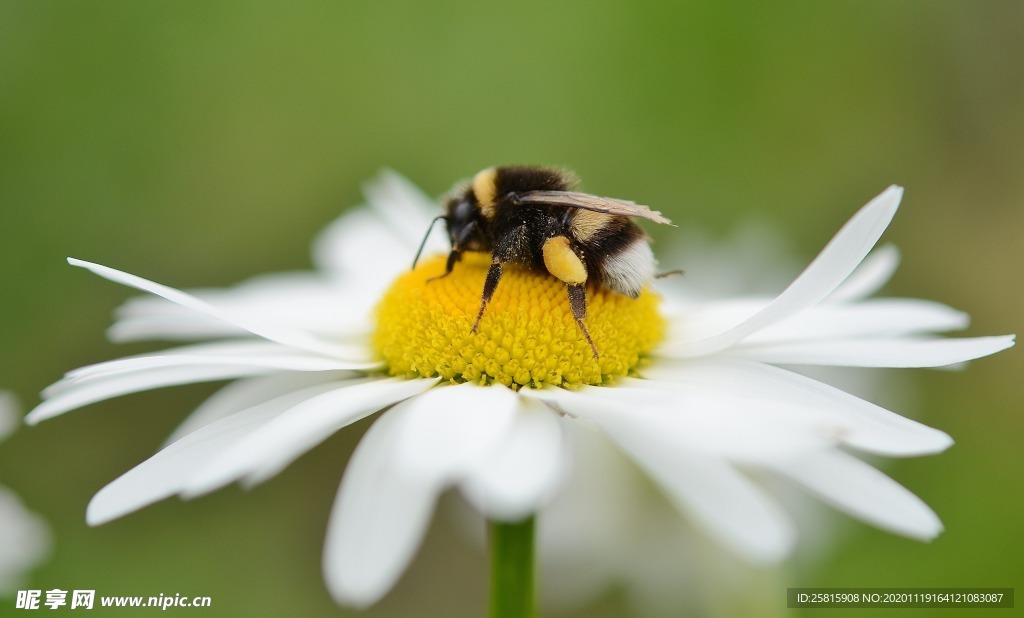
(288,291)
(321,305)
(25,541)
(390,230)
(69,397)
(690,322)
(714,421)
(856,422)
(902,352)
(241,394)
(240,354)
(860,490)
(405,208)
(409,455)
(343,247)
(379,517)
(595,520)
(886,317)
(832,266)
(524,470)
(702,484)
(873,273)
(253,325)
(165,473)
(188,326)
(449,429)
(270,449)
(712,491)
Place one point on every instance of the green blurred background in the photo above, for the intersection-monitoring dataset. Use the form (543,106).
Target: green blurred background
(198,143)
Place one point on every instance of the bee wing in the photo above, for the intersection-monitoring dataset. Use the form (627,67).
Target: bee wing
(609,205)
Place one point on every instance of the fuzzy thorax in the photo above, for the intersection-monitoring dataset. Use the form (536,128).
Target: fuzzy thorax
(527,336)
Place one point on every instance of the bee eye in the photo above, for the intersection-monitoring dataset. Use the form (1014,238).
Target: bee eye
(463,212)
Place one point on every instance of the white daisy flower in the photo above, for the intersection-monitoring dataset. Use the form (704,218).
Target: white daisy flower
(24,536)
(693,392)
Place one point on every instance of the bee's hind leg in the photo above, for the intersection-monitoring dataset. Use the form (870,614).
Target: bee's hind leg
(578,304)
(490,284)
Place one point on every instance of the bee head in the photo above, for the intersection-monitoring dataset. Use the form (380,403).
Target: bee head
(465,223)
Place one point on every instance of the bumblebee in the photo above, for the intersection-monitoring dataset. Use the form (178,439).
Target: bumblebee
(531,217)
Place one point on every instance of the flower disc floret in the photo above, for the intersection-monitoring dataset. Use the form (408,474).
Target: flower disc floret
(527,336)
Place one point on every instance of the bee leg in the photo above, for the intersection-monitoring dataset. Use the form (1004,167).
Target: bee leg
(456,253)
(453,257)
(565,265)
(490,284)
(578,304)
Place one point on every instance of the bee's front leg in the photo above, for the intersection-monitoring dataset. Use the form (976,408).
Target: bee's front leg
(456,253)
(453,257)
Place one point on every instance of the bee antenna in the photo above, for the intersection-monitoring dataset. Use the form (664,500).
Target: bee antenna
(423,243)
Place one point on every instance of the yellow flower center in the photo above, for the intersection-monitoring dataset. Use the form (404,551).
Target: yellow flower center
(527,336)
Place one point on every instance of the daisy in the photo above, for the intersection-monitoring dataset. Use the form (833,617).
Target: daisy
(695,393)
(24,536)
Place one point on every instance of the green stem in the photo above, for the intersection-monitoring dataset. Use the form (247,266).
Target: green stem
(512,585)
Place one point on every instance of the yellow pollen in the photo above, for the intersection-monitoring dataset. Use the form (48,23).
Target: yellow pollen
(527,336)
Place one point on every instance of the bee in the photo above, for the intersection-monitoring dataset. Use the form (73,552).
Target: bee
(531,217)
